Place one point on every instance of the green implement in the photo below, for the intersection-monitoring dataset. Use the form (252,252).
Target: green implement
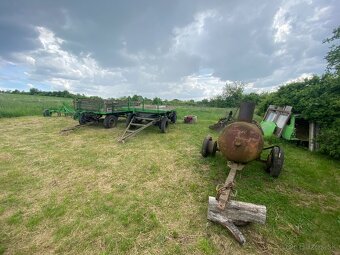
(64,109)
(281,122)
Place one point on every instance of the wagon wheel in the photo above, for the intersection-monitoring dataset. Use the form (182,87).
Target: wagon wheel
(275,161)
(128,119)
(83,119)
(173,117)
(164,124)
(110,121)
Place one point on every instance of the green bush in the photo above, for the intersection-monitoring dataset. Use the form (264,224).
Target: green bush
(329,139)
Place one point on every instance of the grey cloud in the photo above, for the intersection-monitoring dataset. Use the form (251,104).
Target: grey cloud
(153,47)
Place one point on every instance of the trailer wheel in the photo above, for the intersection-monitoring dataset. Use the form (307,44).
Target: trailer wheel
(110,121)
(173,117)
(275,162)
(128,119)
(164,124)
(82,119)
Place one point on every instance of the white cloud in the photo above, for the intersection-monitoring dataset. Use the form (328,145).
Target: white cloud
(63,70)
(301,78)
(281,25)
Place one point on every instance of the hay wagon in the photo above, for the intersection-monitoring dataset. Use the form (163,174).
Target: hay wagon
(143,116)
(93,109)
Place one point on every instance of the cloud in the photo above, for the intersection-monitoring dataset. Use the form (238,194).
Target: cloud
(177,49)
(61,69)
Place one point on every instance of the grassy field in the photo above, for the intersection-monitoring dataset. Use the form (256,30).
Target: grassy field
(84,193)
(12,105)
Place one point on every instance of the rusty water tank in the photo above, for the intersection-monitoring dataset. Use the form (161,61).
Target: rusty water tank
(242,140)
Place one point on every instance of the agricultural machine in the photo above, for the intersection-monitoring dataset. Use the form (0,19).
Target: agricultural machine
(63,110)
(240,142)
(281,122)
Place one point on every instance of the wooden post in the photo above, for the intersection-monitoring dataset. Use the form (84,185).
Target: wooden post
(311,141)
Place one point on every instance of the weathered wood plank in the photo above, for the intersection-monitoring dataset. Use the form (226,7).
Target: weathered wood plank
(238,211)
(215,217)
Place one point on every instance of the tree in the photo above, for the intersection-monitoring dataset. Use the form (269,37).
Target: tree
(33,91)
(333,56)
(157,101)
(233,93)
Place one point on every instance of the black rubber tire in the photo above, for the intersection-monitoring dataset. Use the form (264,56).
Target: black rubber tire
(214,149)
(128,119)
(269,162)
(82,119)
(164,124)
(275,159)
(205,146)
(47,113)
(173,117)
(110,121)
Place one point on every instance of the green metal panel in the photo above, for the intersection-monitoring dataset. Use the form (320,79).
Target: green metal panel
(268,128)
(289,130)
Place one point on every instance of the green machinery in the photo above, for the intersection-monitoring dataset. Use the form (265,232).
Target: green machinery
(64,109)
(138,115)
(281,122)
(93,109)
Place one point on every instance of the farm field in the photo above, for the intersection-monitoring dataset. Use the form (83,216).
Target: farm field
(85,193)
(14,105)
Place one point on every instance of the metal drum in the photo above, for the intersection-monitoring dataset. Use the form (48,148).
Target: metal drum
(241,142)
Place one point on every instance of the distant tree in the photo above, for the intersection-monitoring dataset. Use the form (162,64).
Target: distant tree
(233,93)
(157,101)
(252,97)
(33,91)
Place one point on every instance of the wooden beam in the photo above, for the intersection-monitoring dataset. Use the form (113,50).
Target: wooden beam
(238,211)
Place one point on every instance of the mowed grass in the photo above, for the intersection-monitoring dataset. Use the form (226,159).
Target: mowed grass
(13,105)
(85,193)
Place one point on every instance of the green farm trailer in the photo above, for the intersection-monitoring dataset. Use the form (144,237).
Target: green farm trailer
(138,115)
(93,109)
(144,116)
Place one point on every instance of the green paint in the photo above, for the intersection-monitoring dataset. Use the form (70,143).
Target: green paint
(288,132)
(268,128)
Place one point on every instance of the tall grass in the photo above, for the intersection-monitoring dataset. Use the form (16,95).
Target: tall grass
(26,105)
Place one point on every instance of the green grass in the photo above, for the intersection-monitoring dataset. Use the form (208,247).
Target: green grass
(12,105)
(85,193)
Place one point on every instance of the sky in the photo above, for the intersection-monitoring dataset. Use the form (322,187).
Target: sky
(184,49)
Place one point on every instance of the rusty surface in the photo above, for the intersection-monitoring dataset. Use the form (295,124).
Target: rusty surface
(241,142)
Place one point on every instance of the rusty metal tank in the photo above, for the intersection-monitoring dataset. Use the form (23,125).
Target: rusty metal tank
(242,140)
